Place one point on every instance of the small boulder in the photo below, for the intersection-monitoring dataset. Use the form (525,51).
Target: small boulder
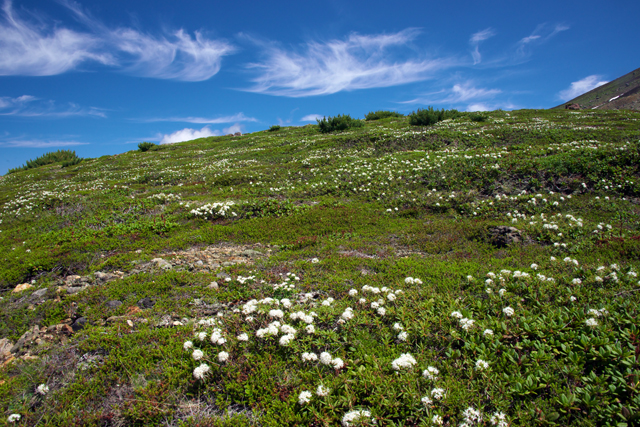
(146,303)
(161,263)
(22,287)
(5,348)
(113,304)
(79,324)
(503,236)
(40,293)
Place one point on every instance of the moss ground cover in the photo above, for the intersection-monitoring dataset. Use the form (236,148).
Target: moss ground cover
(367,282)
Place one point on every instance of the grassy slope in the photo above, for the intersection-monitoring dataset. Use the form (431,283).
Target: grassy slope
(625,89)
(374,205)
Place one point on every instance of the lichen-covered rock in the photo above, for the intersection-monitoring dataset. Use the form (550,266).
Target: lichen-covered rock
(503,236)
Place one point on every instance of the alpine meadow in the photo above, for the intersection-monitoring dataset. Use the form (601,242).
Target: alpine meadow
(441,268)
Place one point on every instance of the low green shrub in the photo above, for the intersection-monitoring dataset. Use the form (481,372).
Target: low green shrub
(68,158)
(274,128)
(145,146)
(381,114)
(429,116)
(339,122)
(478,117)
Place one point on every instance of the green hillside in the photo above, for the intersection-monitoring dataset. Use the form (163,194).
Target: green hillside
(622,93)
(479,271)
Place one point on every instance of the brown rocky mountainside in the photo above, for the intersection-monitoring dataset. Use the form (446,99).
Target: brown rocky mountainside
(622,93)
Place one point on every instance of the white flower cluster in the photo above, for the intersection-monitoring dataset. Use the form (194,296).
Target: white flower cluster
(405,361)
(214,210)
(164,198)
(352,416)
(201,371)
(412,281)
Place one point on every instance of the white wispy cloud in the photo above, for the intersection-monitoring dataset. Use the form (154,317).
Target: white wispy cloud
(233,129)
(39,143)
(29,49)
(311,118)
(475,40)
(581,86)
(541,34)
(30,106)
(459,93)
(188,134)
(239,117)
(358,62)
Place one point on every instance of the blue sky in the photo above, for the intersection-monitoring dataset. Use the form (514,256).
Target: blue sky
(100,77)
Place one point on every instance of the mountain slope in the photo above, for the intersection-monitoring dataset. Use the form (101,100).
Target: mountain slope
(622,93)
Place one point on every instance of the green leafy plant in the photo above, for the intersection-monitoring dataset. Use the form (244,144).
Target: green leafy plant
(338,123)
(429,116)
(478,117)
(274,128)
(146,146)
(381,114)
(67,157)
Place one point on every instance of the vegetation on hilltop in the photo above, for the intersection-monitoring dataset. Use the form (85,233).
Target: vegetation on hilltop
(65,157)
(470,271)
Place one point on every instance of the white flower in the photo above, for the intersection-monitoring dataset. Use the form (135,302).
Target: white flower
(309,357)
(402,336)
(437,420)
(362,301)
(14,418)
(315,260)
(437,393)
(457,314)
(327,302)
(397,326)
(499,419)
(481,365)
(426,401)
(304,397)
(553,258)
(276,313)
(325,358)
(572,298)
(201,371)
(404,361)
(348,313)
(323,391)
(42,389)
(286,339)
(337,363)
(508,311)
(431,373)
(391,297)
(472,416)
(243,337)
(353,292)
(592,323)
(352,416)
(310,329)
(223,356)
(201,336)
(197,354)
(502,291)
(187,345)
(576,281)
(288,329)
(466,323)
(382,311)
(534,266)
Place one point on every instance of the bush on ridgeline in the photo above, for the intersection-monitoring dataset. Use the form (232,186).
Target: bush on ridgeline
(146,146)
(478,117)
(381,114)
(274,128)
(339,122)
(67,157)
(430,116)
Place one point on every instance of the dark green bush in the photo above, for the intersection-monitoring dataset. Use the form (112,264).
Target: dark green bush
(381,114)
(274,128)
(146,146)
(64,156)
(478,117)
(430,116)
(339,122)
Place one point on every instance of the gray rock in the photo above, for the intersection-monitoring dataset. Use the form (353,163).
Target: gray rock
(26,339)
(5,347)
(199,263)
(503,236)
(75,289)
(250,253)
(161,263)
(146,303)
(40,293)
(223,275)
(79,324)
(113,304)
